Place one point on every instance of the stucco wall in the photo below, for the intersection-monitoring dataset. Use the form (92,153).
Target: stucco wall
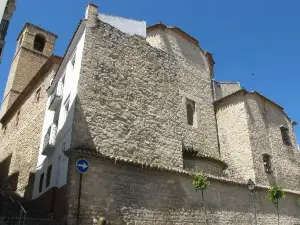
(57,159)
(127,194)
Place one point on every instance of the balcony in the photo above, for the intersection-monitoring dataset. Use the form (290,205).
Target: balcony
(49,140)
(56,96)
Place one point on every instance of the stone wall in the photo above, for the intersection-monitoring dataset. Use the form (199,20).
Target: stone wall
(26,63)
(131,100)
(249,126)
(265,119)
(20,142)
(127,194)
(234,137)
(223,89)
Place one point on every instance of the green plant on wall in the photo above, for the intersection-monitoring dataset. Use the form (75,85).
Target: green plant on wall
(275,193)
(201,182)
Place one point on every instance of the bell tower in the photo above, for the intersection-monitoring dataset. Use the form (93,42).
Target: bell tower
(34,48)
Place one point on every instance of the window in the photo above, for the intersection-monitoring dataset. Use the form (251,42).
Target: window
(63,79)
(18,118)
(267,163)
(285,136)
(190,111)
(41,182)
(67,104)
(73,60)
(56,122)
(48,179)
(38,95)
(39,42)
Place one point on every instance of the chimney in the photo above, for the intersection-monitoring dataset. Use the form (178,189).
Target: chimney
(91,11)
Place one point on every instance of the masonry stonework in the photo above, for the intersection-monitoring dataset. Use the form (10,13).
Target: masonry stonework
(131,123)
(128,194)
(234,138)
(265,119)
(249,126)
(26,63)
(131,100)
(20,140)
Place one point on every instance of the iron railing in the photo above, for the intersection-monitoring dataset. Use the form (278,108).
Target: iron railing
(11,213)
(49,140)
(57,92)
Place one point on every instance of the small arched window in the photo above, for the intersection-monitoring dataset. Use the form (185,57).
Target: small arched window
(39,42)
(190,114)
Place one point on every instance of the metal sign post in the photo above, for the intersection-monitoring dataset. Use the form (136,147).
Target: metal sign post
(82,166)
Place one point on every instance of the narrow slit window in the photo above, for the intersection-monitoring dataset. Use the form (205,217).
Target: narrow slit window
(41,182)
(267,163)
(285,136)
(190,112)
(48,179)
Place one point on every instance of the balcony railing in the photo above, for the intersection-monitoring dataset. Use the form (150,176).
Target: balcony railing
(49,140)
(56,96)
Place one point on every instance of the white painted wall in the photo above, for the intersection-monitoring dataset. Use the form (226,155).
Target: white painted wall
(2,8)
(125,25)
(58,160)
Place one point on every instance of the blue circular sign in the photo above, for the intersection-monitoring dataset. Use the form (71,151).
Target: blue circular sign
(82,165)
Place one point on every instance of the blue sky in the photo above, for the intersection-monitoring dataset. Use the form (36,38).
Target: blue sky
(245,37)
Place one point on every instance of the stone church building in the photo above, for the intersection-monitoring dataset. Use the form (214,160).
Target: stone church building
(141,105)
